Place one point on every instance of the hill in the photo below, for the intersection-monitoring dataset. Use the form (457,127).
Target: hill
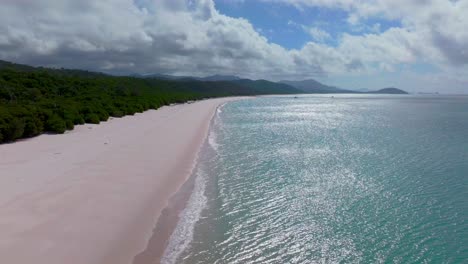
(309,86)
(313,86)
(264,86)
(6,65)
(212,78)
(390,90)
(219,78)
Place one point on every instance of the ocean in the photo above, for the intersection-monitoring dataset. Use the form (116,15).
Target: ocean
(330,179)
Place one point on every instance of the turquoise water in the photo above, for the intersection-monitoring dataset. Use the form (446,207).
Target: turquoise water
(349,179)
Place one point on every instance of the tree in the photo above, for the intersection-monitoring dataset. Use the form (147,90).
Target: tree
(56,124)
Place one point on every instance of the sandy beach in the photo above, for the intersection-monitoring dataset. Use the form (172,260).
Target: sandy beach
(94,194)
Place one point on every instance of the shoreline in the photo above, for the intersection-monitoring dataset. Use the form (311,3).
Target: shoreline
(170,216)
(96,193)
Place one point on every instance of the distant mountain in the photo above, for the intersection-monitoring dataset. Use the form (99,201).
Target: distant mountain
(15,66)
(313,86)
(264,86)
(211,78)
(389,90)
(216,78)
(283,87)
(162,76)
(257,86)
(54,71)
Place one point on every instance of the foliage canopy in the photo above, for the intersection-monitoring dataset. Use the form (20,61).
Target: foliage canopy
(37,100)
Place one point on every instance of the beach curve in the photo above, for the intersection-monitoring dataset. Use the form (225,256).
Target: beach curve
(94,194)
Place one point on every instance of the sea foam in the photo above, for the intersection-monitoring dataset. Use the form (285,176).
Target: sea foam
(183,234)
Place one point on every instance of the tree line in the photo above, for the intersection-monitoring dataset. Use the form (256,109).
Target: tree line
(38,100)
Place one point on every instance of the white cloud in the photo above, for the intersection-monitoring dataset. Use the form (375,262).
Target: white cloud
(168,36)
(317,34)
(438,24)
(192,37)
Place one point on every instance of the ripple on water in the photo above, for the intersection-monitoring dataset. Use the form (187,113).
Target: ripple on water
(312,180)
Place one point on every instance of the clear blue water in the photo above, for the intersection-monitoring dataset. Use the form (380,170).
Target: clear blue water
(349,179)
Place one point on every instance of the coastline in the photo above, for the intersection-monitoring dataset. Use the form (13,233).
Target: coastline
(171,216)
(95,194)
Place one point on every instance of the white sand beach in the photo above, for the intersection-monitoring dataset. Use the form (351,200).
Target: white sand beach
(94,194)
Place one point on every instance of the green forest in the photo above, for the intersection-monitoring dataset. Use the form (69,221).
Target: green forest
(38,100)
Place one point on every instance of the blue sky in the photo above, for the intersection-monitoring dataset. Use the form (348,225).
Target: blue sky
(284,24)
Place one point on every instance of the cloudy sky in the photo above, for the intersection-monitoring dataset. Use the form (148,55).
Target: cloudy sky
(417,45)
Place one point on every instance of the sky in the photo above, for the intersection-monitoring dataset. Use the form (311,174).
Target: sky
(416,45)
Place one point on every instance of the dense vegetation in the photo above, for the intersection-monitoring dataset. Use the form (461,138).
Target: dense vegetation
(38,100)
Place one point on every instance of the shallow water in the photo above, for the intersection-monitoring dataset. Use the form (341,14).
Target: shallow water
(361,178)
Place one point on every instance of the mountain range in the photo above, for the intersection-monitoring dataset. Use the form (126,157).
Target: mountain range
(212,78)
(309,86)
(313,86)
(305,86)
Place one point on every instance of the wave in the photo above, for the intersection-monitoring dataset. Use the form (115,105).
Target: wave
(212,140)
(183,234)
(215,125)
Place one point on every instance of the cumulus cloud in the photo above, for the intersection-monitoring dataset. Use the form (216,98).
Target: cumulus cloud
(124,36)
(316,33)
(438,25)
(192,37)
